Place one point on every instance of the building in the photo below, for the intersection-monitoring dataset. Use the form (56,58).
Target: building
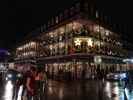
(75,44)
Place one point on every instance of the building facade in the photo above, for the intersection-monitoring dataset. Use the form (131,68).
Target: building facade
(75,45)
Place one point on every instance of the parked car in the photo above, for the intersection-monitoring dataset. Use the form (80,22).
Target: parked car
(119,75)
(13,75)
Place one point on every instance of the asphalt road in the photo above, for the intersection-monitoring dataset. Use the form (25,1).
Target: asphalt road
(77,90)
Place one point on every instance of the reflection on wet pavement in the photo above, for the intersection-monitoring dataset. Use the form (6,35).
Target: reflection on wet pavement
(20,92)
(8,91)
(116,91)
(78,90)
(88,90)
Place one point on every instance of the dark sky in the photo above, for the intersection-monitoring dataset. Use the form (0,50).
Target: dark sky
(22,16)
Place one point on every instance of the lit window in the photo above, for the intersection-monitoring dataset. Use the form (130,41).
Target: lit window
(51,34)
(57,20)
(102,31)
(97,43)
(33,43)
(51,47)
(69,27)
(20,48)
(61,45)
(97,14)
(96,28)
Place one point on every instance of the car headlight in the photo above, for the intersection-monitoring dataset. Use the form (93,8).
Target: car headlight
(19,75)
(123,75)
(9,76)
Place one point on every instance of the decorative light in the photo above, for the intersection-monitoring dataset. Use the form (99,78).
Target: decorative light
(20,48)
(51,47)
(60,38)
(51,34)
(96,28)
(77,42)
(61,45)
(107,33)
(102,30)
(26,46)
(62,30)
(97,14)
(31,52)
(90,42)
(33,43)
(97,43)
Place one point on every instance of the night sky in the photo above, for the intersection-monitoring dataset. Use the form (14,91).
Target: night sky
(19,17)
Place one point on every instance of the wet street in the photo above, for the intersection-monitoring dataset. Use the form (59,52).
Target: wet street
(78,90)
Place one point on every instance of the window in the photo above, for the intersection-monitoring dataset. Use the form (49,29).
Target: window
(52,21)
(57,19)
(61,17)
(69,27)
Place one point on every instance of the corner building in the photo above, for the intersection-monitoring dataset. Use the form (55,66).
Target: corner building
(76,45)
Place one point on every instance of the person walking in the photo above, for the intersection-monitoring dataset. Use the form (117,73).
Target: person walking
(44,80)
(31,84)
(40,83)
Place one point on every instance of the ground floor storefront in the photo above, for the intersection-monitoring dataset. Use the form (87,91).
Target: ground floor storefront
(80,70)
(77,66)
(81,67)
